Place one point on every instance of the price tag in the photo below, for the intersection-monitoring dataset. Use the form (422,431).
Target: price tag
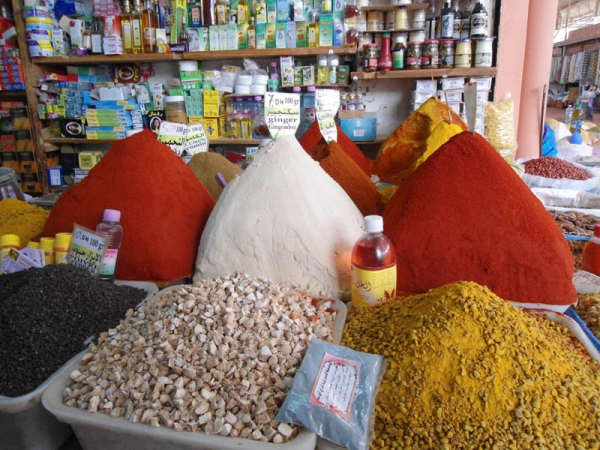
(196,140)
(87,249)
(282,113)
(327,125)
(173,134)
(328,103)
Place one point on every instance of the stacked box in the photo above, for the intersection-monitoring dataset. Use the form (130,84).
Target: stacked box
(8,155)
(215,126)
(214,105)
(11,70)
(194,105)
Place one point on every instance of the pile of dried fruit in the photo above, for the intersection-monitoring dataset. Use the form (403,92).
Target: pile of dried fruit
(218,356)
(573,222)
(577,251)
(467,369)
(588,308)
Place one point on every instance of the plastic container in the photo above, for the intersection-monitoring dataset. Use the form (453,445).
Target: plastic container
(113,231)
(100,431)
(62,244)
(7,243)
(175,108)
(47,244)
(590,258)
(9,184)
(25,424)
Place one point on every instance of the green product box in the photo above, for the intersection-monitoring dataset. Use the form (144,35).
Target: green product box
(175,92)
(232,36)
(326,30)
(242,36)
(195,75)
(261,36)
(270,35)
(223,37)
(178,12)
(261,11)
(301,34)
(194,14)
(213,37)
(280,35)
(271,11)
(191,85)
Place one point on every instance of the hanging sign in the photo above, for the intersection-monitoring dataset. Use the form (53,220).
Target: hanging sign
(328,99)
(327,125)
(87,249)
(282,113)
(328,103)
(196,140)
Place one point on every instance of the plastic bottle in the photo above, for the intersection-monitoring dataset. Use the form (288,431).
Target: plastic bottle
(373,266)
(62,244)
(47,245)
(590,258)
(113,231)
(569,115)
(333,61)
(322,70)
(8,242)
(385,58)
(398,54)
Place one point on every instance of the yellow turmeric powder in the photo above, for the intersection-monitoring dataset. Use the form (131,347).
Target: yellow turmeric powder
(467,369)
(21,218)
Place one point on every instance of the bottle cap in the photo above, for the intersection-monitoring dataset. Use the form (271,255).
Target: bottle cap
(373,224)
(62,240)
(47,244)
(33,244)
(311,89)
(597,230)
(111,215)
(10,239)
(296,89)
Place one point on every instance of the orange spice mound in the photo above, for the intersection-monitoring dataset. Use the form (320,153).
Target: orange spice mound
(313,135)
(465,215)
(348,175)
(163,208)
(408,142)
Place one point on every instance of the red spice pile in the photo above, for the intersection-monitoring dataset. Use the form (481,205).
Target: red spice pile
(348,175)
(163,208)
(464,215)
(313,136)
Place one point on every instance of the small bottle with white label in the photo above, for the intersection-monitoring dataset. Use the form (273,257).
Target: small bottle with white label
(113,231)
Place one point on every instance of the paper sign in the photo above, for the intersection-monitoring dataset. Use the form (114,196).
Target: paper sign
(173,134)
(328,100)
(282,113)
(87,249)
(327,125)
(195,139)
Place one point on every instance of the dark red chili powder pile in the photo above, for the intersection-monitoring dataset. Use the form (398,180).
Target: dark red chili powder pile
(163,208)
(464,215)
(313,135)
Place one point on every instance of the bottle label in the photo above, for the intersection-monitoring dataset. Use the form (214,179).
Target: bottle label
(398,59)
(220,9)
(242,15)
(479,25)
(251,39)
(332,76)
(457,26)
(312,36)
(109,262)
(447,26)
(137,33)
(127,36)
(373,287)
(150,36)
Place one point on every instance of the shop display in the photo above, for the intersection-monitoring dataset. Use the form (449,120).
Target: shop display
(465,367)
(20,218)
(340,166)
(206,165)
(112,231)
(149,185)
(474,213)
(552,167)
(39,334)
(588,308)
(575,222)
(242,377)
(301,232)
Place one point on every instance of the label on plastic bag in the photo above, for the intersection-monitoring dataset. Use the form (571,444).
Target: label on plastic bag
(335,385)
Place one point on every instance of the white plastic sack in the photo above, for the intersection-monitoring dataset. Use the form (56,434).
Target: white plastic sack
(567,198)
(535,181)
(571,152)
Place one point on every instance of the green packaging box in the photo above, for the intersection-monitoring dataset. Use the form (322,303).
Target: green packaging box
(270,34)
(242,36)
(261,36)
(326,30)
(301,34)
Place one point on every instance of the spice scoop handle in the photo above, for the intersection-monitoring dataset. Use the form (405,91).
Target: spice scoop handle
(220,180)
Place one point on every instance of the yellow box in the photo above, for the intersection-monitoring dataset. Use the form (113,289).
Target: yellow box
(214,110)
(215,126)
(195,119)
(87,160)
(212,97)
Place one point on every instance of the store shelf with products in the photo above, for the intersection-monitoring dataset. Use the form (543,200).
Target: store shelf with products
(427,73)
(217,141)
(385,8)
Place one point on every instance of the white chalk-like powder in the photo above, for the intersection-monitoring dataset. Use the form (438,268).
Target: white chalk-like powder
(286,219)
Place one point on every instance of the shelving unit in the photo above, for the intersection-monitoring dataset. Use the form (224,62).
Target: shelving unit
(385,8)
(426,73)
(72,141)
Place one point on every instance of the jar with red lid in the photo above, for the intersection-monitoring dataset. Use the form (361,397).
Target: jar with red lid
(370,58)
(413,55)
(431,55)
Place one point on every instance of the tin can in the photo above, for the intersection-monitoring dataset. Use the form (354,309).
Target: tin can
(413,55)
(431,55)
(446,53)
(462,54)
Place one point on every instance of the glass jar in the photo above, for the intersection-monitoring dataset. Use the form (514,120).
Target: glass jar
(462,54)
(175,109)
(401,19)
(413,55)
(483,52)
(446,53)
(418,18)
(370,58)
(9,184)
(431,55)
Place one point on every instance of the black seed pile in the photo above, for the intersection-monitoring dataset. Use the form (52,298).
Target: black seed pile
(47,314)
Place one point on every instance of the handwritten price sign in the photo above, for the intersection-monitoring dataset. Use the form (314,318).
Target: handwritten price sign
(328,103)
(282,113)
(327,125)
(87,249)
(195,139)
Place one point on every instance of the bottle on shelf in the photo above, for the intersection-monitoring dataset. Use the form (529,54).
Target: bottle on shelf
(465,21)
(385,57)
(430,22)
(221,12)
(113,231)
(126,28)
(183,34)
(246,125)
(479,21)
(327,6)
(447,21)
(373,266)
(590,258)
(160,19)
(398,54)
(457,20)
(401,19)
(333,62)
(252,34)
(322,70)
(313,31)
(274,72)
(149,25)
(136,28)
(358,102)
(243,11)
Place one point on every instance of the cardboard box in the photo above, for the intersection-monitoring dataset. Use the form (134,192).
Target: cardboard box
(280,41)
(326,30)
(270,35)
(301,34)
(360,129)
(215,126)
(261,36)
(290,34)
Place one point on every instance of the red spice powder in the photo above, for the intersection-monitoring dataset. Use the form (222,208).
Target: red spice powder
(313,135)
(464,215)
(349,176)
(163,208)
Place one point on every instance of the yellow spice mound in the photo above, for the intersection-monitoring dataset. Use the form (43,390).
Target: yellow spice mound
(467,369)
(21,218)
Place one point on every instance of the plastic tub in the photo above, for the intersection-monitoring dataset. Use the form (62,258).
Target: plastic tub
(99,431)
(25,424)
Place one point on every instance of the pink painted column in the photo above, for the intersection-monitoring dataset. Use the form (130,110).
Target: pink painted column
(536,74)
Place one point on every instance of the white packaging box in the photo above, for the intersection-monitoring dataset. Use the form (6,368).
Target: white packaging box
(453,95)
(420,97)
(452,83)
(456,107)
(482,96)
(483,83)
(426,86)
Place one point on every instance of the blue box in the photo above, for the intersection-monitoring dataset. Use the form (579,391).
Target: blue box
(360,129)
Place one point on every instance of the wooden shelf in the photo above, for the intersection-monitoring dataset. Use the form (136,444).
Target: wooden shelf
(217,141)
(395,31)
(384,8)
(12,94)
(375,142)
(427,73)
(107,59)
(268,53)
